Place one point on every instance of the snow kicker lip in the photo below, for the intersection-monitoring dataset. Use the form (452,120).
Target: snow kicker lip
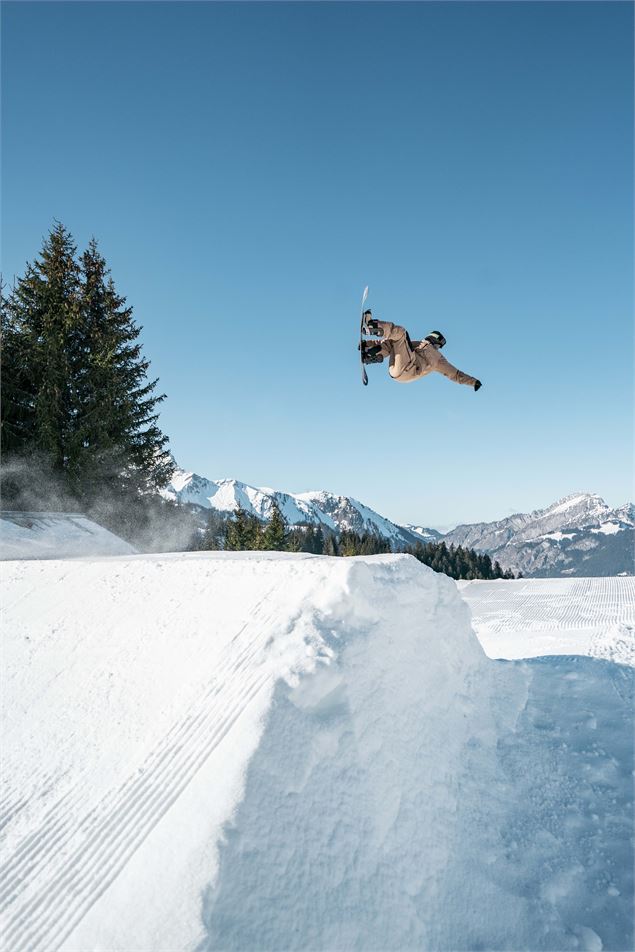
(80,844)
(322,737)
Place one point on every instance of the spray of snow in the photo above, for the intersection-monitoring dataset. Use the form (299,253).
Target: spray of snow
(55,535)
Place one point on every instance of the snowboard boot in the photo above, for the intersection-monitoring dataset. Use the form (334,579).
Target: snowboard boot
(370,326)
(371,353)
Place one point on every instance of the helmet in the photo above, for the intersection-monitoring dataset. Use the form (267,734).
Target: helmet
(436,337)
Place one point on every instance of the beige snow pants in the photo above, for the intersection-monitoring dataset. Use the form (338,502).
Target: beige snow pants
(396,346)
(410,360)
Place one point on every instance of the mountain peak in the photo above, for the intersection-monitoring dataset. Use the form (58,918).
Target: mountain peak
(578,508)
(578,534)
(319,508)
(576,499)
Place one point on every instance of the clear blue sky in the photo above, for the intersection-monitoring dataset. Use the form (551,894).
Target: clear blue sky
(248,168)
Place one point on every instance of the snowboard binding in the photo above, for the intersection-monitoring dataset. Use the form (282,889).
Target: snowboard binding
(371,352)
(369,326)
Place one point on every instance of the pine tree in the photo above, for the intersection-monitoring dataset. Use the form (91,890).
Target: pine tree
(295,542)
(243,532)
(304,537)
(18,396)
(212,536)
(316,544)
(77,406)
(330,544)
(41,322)
(347,544)
(118,439)
(276,532)
(236,534)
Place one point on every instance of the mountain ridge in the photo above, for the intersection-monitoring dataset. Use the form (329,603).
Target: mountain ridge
(321,508)
(578,534)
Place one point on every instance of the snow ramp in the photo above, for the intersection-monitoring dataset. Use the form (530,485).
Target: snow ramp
(56,535)
(258,752)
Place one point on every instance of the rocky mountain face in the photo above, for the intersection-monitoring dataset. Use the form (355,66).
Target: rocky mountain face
(332,512)
(576,536)
(579,535)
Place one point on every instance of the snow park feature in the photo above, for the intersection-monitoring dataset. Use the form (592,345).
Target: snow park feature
(56,535)
(259,751)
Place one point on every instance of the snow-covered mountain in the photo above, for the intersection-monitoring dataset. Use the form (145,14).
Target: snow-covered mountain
(579,535)
(424,535)
(319,508)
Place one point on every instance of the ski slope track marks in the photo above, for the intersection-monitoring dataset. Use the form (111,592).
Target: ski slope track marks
(527,618)
(259,751)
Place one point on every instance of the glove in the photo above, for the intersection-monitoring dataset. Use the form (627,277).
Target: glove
(477,384)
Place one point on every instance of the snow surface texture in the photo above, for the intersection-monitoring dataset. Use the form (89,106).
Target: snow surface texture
(252,752)
(55,535)
(521,619)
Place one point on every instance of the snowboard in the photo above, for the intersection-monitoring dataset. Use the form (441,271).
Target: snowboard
(361,338)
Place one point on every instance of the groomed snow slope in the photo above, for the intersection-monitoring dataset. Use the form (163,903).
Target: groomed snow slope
(222,751)
(56,535)
(524,618)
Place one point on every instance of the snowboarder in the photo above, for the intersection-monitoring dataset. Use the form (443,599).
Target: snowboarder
(408,360)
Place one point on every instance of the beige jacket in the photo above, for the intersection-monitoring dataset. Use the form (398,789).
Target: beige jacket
(409,361)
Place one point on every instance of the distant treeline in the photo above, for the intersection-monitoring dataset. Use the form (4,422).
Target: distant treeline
(243,531)
(457,562)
